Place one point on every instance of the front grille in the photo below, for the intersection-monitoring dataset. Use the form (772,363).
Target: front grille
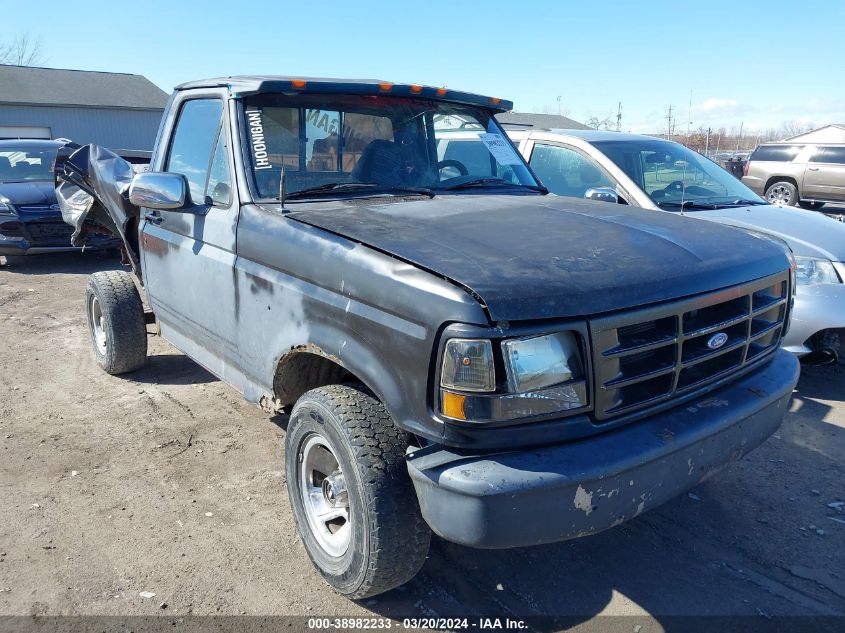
(49,231)
(646,356)
(38,208)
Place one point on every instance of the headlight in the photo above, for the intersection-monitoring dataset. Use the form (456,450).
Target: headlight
(468,365)
(815,271)
(5,207)
(545,377)
(538,362)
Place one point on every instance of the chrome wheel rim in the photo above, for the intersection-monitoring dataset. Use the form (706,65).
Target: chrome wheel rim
(96,322)
(322,489)
(780,195)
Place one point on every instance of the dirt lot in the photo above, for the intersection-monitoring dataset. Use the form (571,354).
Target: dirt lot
(167,482)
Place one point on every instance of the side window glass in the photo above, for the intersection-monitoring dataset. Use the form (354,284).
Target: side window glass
(566,172)
(472,154)
(322,140)
(193,142)
(776,153)
(219,189)
(831,155)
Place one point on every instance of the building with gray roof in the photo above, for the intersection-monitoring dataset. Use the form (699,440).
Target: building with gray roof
(531,120)
(117,110)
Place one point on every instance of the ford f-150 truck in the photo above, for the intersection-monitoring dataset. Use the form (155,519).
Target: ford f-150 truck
(458,350)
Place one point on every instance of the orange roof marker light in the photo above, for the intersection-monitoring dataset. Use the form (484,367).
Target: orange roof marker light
(494,100)
(416,89)
(298,83)
(385,87)
(441,92)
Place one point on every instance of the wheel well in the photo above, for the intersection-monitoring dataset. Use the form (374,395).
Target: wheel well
(301,370)
(775,179)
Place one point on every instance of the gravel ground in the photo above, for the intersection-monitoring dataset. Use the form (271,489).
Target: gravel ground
(167,482)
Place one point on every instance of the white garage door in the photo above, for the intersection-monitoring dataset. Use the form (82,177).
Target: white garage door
(24,132)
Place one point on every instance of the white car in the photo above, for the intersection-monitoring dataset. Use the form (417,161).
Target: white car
(656,174)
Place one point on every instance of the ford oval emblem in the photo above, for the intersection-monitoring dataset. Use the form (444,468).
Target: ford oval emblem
(717,340)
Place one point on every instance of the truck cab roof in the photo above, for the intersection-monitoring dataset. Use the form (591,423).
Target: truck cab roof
(244,85)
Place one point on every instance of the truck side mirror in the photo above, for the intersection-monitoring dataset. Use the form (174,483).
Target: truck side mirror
(603,194)
(158,190)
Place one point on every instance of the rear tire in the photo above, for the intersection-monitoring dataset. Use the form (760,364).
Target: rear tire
(360,524)
(116,322)
(783,194)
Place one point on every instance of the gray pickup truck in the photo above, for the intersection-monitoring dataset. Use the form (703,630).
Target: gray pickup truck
(458,350)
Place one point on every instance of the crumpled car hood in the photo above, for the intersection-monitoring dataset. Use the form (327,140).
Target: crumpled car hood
(536,257)
(808,233)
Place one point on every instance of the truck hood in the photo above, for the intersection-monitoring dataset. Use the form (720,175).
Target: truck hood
(808,233)
(35,192)
(536,257)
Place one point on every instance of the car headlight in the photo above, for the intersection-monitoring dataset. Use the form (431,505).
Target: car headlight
(545,376)
(468,365)
(534,363)
(5,207)
(810,270)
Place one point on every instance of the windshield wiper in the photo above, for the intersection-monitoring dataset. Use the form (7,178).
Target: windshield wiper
(741,202)
(489,180)
(370,187)
(687,204)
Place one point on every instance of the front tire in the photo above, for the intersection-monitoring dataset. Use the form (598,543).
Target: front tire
(360,523)
(783,194)
(116,322)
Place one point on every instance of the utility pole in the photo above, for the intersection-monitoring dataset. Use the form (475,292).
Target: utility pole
(707,143)
(738,138)
(689,116)
(619,117)
(558,105)
(669,124)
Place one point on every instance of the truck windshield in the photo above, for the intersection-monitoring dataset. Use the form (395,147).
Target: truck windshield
(676,177)
(374,145)
(24,164)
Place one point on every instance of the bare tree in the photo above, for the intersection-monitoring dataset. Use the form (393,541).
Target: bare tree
(599,123)
(794,128)
(21,51)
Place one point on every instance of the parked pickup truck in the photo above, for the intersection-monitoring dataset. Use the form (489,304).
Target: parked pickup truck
(457,350)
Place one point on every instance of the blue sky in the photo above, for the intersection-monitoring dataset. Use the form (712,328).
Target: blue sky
(757,63)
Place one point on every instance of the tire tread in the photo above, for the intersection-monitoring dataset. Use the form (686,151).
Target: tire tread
(124,311)
(399,544)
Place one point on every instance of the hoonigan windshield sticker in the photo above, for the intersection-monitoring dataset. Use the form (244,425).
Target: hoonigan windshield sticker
(260,158)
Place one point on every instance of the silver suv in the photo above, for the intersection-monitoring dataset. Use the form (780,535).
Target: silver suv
(791,174)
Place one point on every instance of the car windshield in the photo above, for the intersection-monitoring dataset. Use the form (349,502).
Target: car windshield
(25,163)
(676,177)
(365,145)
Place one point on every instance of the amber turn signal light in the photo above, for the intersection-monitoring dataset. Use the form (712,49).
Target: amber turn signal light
(453,405)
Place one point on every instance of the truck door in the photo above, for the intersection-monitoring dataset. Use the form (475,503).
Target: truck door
(824,178)
(189,254)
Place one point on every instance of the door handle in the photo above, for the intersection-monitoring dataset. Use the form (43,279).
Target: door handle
(152,217)
(813,168)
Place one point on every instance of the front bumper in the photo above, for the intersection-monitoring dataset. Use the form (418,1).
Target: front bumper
(22,246)
(555,493)
(817,307)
